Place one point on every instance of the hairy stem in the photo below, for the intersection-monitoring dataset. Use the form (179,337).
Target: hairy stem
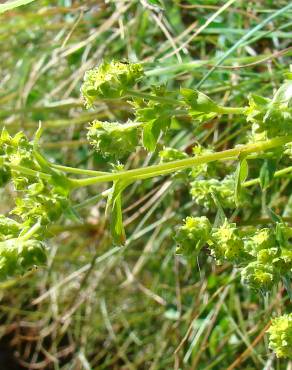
(167,168)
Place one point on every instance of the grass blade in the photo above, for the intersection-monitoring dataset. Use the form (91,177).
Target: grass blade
(13,4)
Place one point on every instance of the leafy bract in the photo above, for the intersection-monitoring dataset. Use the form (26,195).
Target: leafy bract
(154,115)
(202,108)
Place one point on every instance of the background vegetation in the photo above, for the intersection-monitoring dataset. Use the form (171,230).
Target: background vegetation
(97,306)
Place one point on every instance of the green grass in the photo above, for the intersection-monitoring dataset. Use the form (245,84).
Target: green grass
(13,4)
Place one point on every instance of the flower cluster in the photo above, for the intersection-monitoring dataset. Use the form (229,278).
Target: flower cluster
(9,228)
(281,336)
(203,191)
(262,257)
(271,258)
(226,243)
(272,116)
(42,197)
(192,235)
(40,203)
(110,80)
(15,151)
(112,139)
(17,256)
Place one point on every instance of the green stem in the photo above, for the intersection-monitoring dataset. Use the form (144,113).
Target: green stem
(279,173)
(231,110)
(160,99)
(167,168)
(93,200)
(176,102)
(31,231)
(261,221)
(29,172)
(77,171)
(176,68)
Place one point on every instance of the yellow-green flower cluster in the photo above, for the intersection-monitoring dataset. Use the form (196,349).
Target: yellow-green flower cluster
(17,151)
(45,204)
(203,192)
(259,276)
(114,139)
(226,243)
(192,235)
(110,80)
(263,258)
(271,260)
(281,336)
(8,228)
(17,256)
(41,199)
(272,116)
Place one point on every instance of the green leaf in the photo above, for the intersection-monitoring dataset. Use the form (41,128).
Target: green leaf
(198,101)
(267,173)
(114,206)
(280,237)
(288,285)
(220,215)
(241,174)
(155,2)
(284,94)
(61,183)
(150,136)
(274,217)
